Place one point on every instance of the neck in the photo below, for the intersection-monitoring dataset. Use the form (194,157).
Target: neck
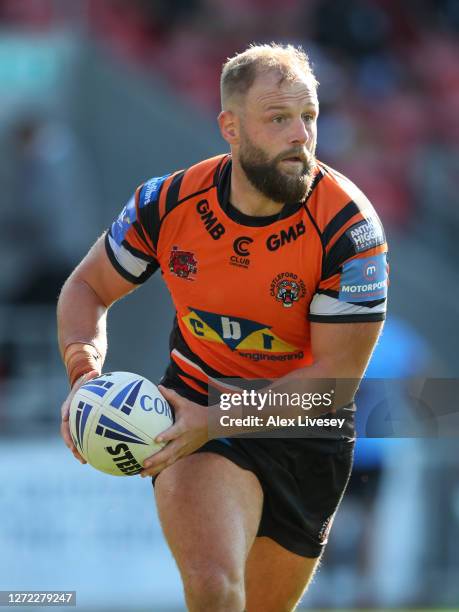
(246,198)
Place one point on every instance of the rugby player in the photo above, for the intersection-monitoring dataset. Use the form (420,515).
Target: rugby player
(276,264)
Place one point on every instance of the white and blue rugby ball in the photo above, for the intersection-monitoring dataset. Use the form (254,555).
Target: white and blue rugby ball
(114,420)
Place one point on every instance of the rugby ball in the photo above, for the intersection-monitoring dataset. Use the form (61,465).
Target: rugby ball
(114,420)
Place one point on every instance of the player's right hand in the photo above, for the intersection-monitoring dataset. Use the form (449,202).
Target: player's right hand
(65,410)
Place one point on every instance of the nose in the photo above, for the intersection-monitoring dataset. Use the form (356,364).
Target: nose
(300,133)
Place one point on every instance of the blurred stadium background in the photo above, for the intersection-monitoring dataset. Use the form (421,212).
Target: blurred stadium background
(98,95)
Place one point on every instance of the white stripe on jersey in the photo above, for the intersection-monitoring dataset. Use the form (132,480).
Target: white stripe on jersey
(324,305)
(130,263)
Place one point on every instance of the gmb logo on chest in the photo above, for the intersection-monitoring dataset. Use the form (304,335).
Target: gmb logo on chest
(212,225)
(285,236)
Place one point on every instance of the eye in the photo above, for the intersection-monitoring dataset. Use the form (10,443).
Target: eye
(308,117)
(278,119)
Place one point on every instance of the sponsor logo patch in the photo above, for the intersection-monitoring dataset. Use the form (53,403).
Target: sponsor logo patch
(276,241)
(240,247)
(366,234)
(125,219)
(237,333)
(150,191)
(364,280)
(211,223)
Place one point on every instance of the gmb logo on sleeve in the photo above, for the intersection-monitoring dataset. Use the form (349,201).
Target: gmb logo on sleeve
(364,279)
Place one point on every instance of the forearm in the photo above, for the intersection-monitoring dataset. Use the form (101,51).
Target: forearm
(320,379)
(341,354)
(81,322)
(312,391)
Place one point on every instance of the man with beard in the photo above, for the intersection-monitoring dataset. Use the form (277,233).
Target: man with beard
(276,265)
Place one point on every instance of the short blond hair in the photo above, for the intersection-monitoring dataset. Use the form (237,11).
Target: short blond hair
(240,71)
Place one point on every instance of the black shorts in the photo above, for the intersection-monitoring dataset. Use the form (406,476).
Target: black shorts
(303,481)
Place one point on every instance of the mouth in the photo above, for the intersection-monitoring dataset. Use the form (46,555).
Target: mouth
(294,159)
(296,163)
(299,158)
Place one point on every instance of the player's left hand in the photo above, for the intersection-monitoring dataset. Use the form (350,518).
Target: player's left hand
(188,433)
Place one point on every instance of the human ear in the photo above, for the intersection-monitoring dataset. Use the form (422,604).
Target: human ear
(229,127)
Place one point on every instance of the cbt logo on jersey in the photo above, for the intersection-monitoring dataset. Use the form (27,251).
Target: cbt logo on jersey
(235,332)
(364,280)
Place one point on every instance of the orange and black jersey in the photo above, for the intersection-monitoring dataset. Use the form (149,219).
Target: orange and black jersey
(245,288)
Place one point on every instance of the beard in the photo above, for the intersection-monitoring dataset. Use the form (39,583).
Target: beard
(265,175)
